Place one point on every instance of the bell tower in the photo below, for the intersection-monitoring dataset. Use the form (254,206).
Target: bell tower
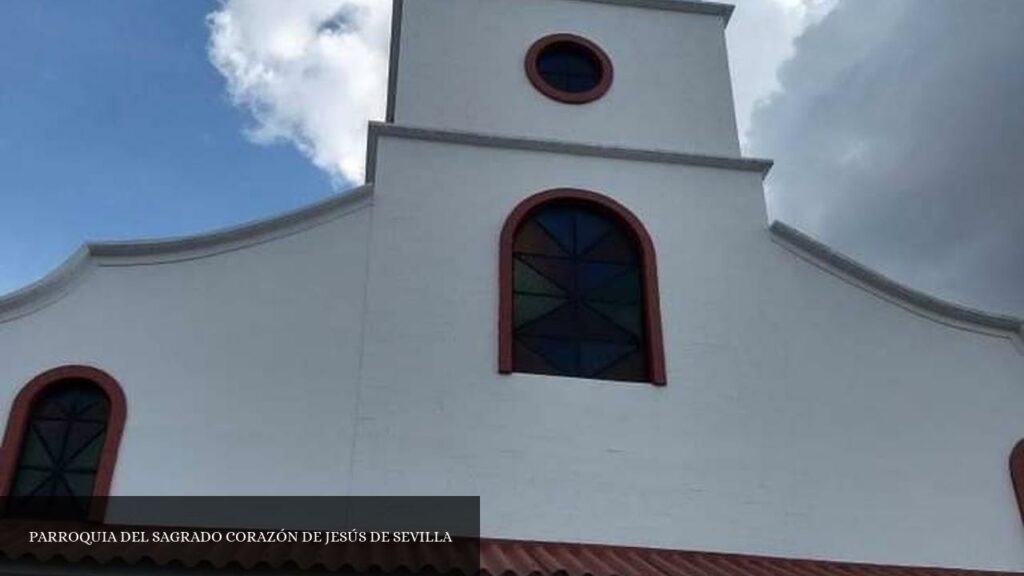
(627,73)
(505,114)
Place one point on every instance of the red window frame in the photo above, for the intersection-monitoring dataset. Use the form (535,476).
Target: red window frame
(648,263)
(21,412)
(581,43)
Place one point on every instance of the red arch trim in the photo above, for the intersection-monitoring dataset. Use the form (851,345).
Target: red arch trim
(1017,474)
(21,411)
(652,308)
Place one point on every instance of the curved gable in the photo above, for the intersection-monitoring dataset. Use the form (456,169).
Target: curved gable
(916,301)
(76,267)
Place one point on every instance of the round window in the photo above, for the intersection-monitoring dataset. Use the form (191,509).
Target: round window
(569,68)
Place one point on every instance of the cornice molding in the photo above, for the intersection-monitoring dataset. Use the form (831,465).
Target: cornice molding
(916,301)
(378,129)
(92,255)
(709,8)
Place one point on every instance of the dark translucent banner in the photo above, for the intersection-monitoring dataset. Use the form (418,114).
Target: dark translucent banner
(361,534)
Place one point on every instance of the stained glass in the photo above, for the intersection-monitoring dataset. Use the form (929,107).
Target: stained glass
(532,239)
(569,67)
(577,295)
(60,452)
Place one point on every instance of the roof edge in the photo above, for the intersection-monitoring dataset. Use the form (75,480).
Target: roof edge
(692,6)
(944,311)
(378,129)
(90,255)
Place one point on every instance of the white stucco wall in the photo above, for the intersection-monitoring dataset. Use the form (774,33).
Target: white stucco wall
(803,416)
(239,368)
(461,68)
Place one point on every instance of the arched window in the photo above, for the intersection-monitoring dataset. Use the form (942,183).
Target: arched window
(60,447)
(579,293)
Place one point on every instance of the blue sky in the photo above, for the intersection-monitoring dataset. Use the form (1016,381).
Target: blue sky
(114,125)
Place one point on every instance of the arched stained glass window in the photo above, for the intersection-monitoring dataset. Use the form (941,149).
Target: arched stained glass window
(578,304)
(60,452)
(61,444)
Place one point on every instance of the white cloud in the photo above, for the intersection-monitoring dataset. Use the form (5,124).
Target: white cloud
(311,72)
(896,135)
(762,37)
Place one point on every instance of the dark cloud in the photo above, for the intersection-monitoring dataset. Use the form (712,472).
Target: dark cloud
(899,139)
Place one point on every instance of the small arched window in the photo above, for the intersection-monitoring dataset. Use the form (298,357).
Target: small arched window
(579,290)
(61,443)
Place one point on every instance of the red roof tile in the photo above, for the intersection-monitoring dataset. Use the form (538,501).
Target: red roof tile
(496,557)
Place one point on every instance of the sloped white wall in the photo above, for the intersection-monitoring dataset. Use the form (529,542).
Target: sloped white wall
(239,369)
(461,68)
(803,416)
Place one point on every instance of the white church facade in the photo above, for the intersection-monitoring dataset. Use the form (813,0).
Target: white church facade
(558,290)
